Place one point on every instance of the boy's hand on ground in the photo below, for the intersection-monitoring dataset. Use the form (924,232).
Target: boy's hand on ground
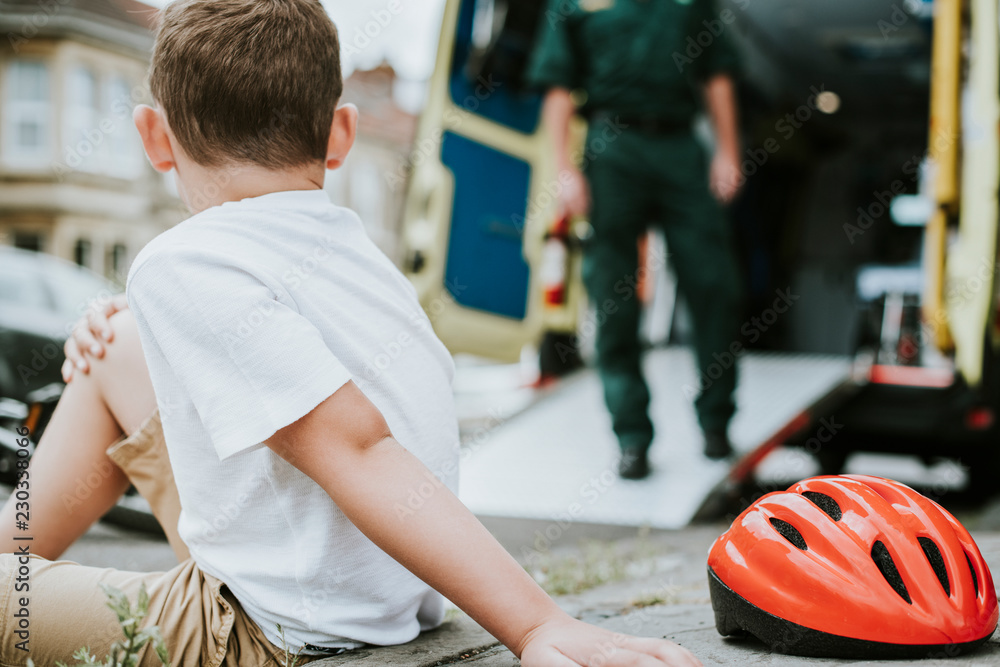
(571,643)
(345,445)
(90,334)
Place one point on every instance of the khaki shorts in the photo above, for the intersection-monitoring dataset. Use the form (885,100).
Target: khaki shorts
(199,618)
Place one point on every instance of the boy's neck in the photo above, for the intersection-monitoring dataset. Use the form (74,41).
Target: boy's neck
(204,187)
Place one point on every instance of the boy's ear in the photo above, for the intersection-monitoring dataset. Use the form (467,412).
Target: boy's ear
(152,128)
(345,126)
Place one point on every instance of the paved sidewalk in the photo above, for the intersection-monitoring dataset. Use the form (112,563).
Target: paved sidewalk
(663,592)
(653,585)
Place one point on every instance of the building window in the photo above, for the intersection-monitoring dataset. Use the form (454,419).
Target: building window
(28,241)
(81,252)
(86,148)
(115,261)
(126,158)
(27,126)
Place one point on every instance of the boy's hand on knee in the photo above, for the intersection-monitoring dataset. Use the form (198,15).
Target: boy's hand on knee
(568,642)
(90,334)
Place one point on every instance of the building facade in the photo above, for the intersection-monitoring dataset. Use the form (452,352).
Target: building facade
(74,181)
(73,178)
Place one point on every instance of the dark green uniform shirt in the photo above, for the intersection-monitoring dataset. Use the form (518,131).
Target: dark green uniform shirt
(634,57)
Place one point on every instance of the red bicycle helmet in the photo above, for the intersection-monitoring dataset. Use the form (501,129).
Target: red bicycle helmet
(852,566)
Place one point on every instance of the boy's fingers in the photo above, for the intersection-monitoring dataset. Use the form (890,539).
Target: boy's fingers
(666,651)
(74,355)
(116,304)
(70,349)
(100,311)
(85,339)
(99,326)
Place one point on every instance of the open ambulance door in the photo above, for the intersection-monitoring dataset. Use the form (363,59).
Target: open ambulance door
(961,261)
(970,269)
(482,191)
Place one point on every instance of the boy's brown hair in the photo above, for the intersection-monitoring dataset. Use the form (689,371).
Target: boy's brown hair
(248,81)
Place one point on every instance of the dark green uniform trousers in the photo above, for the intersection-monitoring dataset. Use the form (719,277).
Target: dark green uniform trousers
(637,180)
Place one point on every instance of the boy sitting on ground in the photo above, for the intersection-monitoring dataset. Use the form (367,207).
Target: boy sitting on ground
(280,457)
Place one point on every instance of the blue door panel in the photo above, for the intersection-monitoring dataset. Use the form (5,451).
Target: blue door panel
(485,268)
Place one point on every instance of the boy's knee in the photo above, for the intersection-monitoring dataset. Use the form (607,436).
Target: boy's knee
(125,340)
(124,349)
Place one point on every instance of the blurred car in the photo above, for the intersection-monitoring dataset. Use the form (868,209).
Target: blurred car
(41,296)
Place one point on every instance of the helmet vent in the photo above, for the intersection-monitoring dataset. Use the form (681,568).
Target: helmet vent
(883,560)
(975,579)
(790,533)
(825,503)
(937,562)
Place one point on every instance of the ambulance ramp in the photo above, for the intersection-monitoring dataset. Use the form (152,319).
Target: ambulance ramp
(557,459)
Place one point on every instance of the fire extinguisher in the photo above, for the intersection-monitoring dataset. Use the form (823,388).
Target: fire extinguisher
(555,263)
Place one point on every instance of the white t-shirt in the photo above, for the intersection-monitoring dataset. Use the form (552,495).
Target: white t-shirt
(250,315)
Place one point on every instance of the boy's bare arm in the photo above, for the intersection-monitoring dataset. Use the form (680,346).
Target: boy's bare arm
(345,446)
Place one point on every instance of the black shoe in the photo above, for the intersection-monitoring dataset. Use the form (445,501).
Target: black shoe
(633,464)
(717,445)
